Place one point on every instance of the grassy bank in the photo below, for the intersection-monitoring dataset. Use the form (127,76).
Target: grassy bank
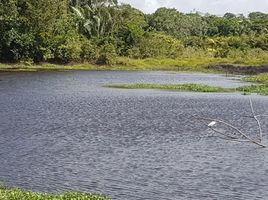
(261,89)
(197,64)
(17,194)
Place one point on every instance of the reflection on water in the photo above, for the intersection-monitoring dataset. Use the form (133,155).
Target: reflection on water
(64,131)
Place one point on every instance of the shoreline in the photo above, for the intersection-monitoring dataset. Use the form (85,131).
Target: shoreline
(207,65)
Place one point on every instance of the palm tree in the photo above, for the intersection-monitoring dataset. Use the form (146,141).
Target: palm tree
(94,16)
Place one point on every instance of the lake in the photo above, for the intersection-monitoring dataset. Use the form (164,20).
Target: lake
(62,131)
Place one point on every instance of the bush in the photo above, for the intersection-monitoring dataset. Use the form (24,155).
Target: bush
(195,42)
(89,51)
(69,50)
(261,42)
(16,46)
(107,54)
(160,45)
(134,52)
(194,52)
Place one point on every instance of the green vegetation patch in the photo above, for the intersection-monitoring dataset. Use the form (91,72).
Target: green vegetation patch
(260,78)
(45,67)
(194,64)
(101,31)
(258,89)
(18,194)
(177,87)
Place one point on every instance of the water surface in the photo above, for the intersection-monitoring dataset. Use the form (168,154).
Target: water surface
(62,131)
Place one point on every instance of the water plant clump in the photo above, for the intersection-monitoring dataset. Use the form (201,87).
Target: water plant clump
(261,89)
(175,87)
(260,78)
(18,194)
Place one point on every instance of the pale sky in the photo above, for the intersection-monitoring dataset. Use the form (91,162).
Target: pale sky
(205,6)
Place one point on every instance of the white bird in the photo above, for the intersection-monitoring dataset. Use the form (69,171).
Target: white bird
(211,124)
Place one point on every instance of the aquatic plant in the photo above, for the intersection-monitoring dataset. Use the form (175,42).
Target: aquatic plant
(18,194)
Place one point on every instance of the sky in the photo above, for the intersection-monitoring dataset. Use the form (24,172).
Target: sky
(217,7)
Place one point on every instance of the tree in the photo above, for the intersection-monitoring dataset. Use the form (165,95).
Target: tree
(130,28)
(95,18)
(159,45)
(29,27)
(259,22)
(178,24)
(229,15)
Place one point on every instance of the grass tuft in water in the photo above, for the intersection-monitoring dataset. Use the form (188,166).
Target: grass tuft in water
(257,89)
(18,194)
(261,89)
(260,78)
(177,87)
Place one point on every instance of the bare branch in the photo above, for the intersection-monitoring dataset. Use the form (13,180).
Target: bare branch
(247,116)
(234,128)
(261,115)
(257,120)
(221,133)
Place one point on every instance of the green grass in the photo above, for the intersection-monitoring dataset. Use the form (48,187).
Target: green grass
(45,67)
(18,194)
(260,86)
(195,64)
(261,89)
(184,64)
(177,87)
(258,89)
(260,78)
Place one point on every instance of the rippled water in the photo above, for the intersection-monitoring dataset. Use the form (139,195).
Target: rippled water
(63,131)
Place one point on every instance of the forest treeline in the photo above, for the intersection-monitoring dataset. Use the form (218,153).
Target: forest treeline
(99,31)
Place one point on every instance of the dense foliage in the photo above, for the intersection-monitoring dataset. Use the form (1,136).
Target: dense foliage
(99,31)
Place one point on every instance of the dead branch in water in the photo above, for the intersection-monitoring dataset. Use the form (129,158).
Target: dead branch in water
(257,120)
(245,137)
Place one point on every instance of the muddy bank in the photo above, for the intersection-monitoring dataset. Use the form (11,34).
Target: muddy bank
(233,69)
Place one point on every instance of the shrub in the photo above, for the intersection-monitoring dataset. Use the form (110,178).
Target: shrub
(69,50)
(16,46)
(107,54)
(134,52)
(90,51)
(160,45)
(194,52)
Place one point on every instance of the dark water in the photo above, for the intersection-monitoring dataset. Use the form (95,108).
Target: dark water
(63,131)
